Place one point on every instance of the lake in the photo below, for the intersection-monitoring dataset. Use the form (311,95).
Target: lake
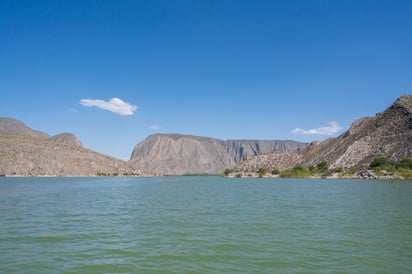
(204,225)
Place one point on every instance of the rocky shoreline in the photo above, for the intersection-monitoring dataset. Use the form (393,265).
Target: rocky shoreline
(363,174)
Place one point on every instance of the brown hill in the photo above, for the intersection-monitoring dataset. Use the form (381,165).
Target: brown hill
(13,126)
(32,156)
(28,152)
(387,134)
(67,138)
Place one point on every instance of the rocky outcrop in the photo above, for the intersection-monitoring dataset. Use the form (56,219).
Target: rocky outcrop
(177,154)
(67,138)
(366,174)
(387,134)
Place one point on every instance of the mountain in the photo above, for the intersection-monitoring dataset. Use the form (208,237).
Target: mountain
(13,126)
(387,134)
(241,150)
(16,127)
(28,152)
(67,138)
(31,156)
(177,154)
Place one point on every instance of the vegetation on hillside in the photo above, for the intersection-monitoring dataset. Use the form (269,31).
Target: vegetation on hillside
(320,170)
(386,167)
(382,166)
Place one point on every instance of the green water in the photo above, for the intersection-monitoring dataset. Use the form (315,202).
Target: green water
(204,225)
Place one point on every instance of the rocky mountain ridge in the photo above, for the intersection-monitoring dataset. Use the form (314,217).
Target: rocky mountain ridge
(387,134)
(178,154)
(28,152)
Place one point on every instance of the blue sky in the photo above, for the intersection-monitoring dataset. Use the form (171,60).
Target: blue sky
(225,69)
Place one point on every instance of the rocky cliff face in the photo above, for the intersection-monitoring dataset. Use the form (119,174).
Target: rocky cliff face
(241,150)
(387,134)
(176,154)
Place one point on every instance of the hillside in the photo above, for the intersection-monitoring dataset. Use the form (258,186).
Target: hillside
(32,156)
(177,154)
(13,126)
(28,152)
(387,134)
(67,138)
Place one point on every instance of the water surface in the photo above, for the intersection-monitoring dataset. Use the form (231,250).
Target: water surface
(204,225)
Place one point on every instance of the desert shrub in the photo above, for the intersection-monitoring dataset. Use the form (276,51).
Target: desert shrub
(322,166)
(380,162)
(405,163)
(262,171)
(275,172)
(227,172)
(295,172)
(406,173)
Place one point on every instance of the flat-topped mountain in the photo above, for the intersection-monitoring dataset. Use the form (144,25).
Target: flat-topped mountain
(387,134)
(177,154)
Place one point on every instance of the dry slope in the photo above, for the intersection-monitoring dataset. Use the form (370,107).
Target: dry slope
(32,156)
(387,134)
(28,152)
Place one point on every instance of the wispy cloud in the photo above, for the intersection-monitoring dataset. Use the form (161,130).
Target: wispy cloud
(327,130)
(115,105)
(155,127)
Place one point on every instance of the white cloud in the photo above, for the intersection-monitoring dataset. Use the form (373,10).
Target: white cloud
(327,130)
(155,127)
(115,105)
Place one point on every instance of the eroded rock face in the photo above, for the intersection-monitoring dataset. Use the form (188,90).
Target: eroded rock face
(177,154)
(387,134)
(241,150)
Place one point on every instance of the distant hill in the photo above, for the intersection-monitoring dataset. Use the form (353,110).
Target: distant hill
(387,134)
(28,152)
(31,156)
(13,126)
(67,138)
(177,154)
